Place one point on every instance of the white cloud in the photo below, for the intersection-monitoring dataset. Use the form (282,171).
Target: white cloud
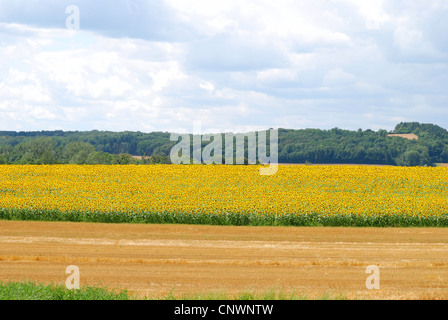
(372,11)
(162,78)
(208,86)
(337,77)
(230,64)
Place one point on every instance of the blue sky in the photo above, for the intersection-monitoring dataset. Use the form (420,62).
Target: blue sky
(230,65)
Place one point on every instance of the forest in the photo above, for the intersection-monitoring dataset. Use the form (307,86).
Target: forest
(310,146)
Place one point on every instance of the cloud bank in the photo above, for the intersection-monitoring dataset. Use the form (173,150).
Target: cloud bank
(232,65)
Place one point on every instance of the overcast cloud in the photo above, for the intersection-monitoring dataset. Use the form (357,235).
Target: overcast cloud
(233,65)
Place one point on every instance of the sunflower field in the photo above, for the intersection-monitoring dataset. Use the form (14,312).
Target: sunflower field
(302,195)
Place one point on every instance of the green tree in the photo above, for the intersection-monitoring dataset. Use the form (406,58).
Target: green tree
(43,150)
(124,158)
(78,152)
(99,157)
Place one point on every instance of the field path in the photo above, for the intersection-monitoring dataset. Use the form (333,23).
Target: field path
(155,260)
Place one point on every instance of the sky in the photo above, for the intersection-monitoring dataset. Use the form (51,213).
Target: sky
(229,65)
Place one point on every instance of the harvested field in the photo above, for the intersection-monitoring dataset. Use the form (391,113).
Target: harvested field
(409,136)
(141,157)
(156,260)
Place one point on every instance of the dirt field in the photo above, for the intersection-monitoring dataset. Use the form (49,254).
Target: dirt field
(155,260)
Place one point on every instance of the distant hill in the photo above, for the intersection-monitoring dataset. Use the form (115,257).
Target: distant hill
(295,146)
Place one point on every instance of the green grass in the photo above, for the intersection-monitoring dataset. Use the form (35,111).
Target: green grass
(234,219)
(28,290)
(37,291)
(271,294)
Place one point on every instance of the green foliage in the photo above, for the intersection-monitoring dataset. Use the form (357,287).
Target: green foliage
(99,157)
(158,159)
(42,150)
(56,150)
(250,295)
(28,290)
(229,219)
(78,152)
(123,158)
(295,146)
(37,291)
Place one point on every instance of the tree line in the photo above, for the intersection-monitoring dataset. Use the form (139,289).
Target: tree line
(47,150)
(294,146)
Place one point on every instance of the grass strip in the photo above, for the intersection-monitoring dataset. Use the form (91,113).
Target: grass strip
(229,219)
(29,290)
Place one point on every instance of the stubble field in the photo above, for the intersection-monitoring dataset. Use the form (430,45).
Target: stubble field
(186,260)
